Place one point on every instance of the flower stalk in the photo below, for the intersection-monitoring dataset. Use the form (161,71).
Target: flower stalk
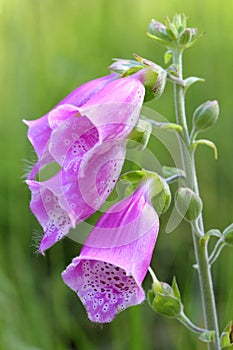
(200,245)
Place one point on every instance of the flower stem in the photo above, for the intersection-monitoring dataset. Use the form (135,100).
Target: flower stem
(216,251)
(200,245)
(188,324)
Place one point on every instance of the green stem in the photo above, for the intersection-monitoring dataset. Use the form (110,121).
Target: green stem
(188,324)
(200,245)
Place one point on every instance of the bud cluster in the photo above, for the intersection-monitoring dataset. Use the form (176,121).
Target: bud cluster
(173,33)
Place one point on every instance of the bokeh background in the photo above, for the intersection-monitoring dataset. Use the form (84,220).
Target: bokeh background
(48,47)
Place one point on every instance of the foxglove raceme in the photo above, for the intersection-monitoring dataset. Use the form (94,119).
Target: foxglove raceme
(88,143)
(108,273)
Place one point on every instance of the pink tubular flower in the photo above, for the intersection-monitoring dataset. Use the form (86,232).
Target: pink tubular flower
(108,273)
(39,130)
(88,143)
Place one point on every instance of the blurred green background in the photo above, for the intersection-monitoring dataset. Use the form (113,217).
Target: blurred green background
(48,47)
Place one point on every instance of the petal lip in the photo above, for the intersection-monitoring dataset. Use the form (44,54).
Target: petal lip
(53,219)
(106,297)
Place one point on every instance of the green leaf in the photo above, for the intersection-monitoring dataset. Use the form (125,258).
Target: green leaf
(190,81)
(207,336)
(207,143)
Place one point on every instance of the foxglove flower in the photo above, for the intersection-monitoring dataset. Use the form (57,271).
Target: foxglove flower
(88,143)
(72,195)
(108,273)
(40,131)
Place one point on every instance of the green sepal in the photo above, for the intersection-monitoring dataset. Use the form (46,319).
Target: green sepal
(172,29)
(161,195)
(207,143)
(122,66)
(131,71)
(158,40)
(180,21)
(154,78)
(149,95)
(140,134)
(188,37)
(167,305)
(169,126)
(162,200)
(160,84)
(207,336)
(149,64)
(190,81)
(228,234)
(150,297)
(226,338)
(133,177)
(175,288)
(160,191)
(172,171)
(159,30)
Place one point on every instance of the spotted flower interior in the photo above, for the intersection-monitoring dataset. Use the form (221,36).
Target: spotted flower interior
(104,289)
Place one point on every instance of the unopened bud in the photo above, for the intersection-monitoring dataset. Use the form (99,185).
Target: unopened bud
(188,203)
(159,30)
(206,115)
(164,301)
(187,36)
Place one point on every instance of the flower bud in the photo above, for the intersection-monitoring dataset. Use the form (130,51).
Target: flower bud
(188,203)
(164,300)
(187,36)
(206,115)
(228,234)
(158,30)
